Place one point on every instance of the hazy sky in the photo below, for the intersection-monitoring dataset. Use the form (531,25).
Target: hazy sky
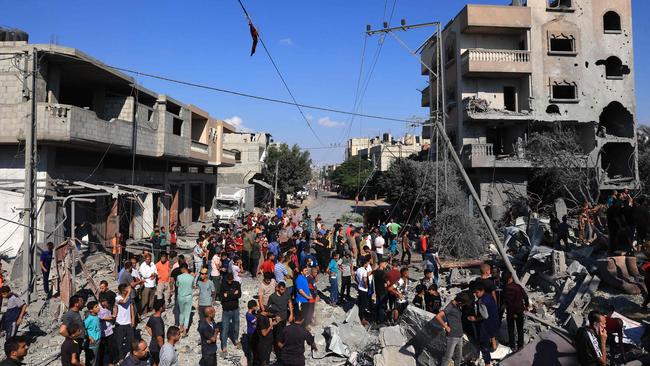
(316,44)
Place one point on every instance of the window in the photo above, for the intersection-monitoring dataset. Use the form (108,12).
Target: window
(614,68)
(178,127)
(560,5)
(564,92)
(612,22)
(450,50)
(562,44)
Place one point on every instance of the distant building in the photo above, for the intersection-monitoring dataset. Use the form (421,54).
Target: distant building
(382,152)
(515,70)
(356,144)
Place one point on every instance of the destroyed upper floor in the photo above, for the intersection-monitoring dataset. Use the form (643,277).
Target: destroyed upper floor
(81,101)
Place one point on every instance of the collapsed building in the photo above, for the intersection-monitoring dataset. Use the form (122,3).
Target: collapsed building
(511,71)
(143,158)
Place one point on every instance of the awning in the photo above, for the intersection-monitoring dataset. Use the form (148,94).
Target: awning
(263,184)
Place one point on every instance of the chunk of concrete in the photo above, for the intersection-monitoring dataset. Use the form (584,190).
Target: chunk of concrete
(334,342)
(352,316)
(575,268)
(395,356)
(547,348)
(353,335)
(559,263)
(392,336)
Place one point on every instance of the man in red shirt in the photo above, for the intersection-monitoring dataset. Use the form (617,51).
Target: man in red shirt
(268,266)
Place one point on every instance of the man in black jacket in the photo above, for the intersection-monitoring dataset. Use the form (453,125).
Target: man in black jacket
(292,342)
(230,294)
(515,301)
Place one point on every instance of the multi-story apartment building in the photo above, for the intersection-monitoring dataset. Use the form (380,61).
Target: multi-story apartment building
(354,145)
(514,70)
(148,158)
(382,152)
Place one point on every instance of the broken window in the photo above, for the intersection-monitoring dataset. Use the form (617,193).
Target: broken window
(178,127)
(561,44)
(612,22)
(560,4)
(617,161)
(450,49)
(614,68)
(617,120)
(564,92)
(510,98)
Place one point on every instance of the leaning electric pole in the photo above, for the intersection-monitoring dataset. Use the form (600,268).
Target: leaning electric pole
(30,213)
(436,71)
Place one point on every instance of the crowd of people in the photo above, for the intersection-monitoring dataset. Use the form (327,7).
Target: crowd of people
(284,253)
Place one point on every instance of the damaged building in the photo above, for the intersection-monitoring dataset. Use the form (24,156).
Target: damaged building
(514,70)
(143,158)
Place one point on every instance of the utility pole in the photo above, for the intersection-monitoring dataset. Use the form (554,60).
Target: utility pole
(495,237)
(29,237)
(275,187)
(437,110)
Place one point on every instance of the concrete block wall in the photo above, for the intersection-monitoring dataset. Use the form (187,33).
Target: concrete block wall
(118,107)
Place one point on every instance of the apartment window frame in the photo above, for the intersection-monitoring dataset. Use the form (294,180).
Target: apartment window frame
(614,68)
(607,30)
(564,37)
(560,6)
(557,99)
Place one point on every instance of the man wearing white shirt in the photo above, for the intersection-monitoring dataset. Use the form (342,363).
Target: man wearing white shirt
(380,243)
(361,277)
(149,273)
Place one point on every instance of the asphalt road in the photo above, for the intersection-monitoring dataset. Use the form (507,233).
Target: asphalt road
(329,206)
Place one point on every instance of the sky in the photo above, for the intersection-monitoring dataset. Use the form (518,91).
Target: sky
(317,45)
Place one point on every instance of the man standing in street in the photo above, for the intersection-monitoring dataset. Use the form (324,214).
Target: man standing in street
(292,342)
(333,272)
(149,274)
(168,355)
(230,294)
(124,314)
(206,292)
(450,318)
(45,263)
(516,303)
(247,248)
(73,316)
(163,290)
(361,277)
(155,327)
(184,284)
(209,332)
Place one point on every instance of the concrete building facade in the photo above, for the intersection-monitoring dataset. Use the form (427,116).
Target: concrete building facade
(150,158)
(514,70)
(382,152)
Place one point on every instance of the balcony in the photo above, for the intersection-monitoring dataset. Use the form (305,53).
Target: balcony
(496,63)
(229,157)
(495,19)
(482,156)
(199,151)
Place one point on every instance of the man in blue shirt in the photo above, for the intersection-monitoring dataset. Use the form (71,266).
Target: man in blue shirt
(303,295)
(333,271)
(274,247)
(45,264)
(209,332)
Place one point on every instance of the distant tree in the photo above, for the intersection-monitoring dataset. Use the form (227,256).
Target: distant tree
(352,175)
(409,186)
(294,169)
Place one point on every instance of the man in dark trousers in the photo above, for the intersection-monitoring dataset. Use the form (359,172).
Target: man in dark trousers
(209,332)
(515,301)
(230,294)
(292,342)
(45,263)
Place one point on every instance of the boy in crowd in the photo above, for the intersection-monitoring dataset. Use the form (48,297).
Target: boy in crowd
(93,330)
(156,329)
(71,349)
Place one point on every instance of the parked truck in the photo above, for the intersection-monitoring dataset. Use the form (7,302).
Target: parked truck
(233,202)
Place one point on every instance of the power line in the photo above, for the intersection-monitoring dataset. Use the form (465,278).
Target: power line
(252,96)
(277,69)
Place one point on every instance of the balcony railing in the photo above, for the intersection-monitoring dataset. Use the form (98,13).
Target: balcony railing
(488,55)
(479,150)
(199,147)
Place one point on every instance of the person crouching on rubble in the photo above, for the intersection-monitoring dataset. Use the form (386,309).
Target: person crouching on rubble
(487,321)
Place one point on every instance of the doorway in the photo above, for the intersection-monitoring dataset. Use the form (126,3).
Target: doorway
(510,98)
